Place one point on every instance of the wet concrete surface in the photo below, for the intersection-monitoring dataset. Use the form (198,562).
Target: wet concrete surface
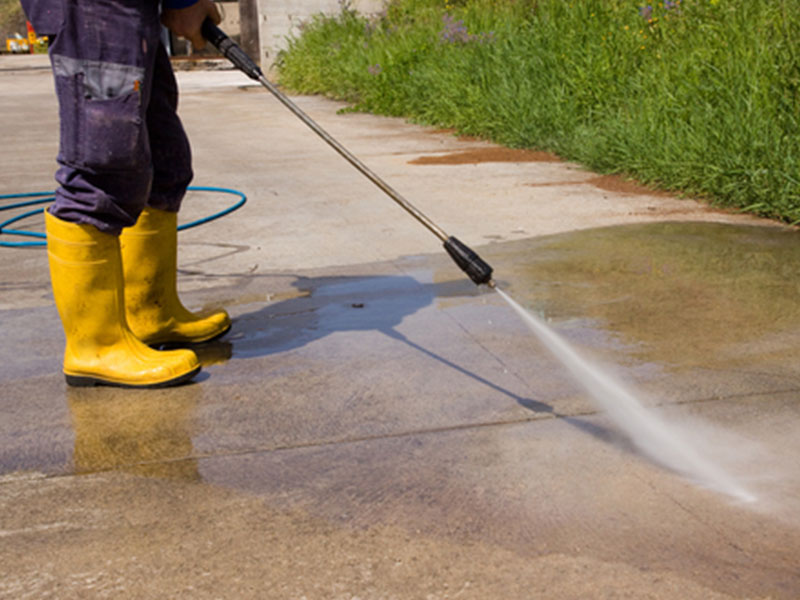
(375,426)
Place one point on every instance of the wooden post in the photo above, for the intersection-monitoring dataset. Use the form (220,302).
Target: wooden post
(248,23)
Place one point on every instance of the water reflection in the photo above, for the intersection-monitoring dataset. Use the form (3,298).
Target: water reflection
(147,434)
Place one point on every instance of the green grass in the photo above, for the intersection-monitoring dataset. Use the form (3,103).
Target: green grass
(700,97)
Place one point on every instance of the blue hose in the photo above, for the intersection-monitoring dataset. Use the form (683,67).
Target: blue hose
(46,197)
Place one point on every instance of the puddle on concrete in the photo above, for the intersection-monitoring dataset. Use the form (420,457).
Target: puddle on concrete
(679,294)
(689,294)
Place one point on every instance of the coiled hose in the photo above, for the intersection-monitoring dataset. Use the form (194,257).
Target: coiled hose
(47,197)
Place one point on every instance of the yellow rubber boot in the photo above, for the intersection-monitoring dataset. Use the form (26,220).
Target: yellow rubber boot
(150,262)
(86,274)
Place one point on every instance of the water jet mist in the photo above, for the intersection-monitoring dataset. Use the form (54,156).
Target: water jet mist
(658,439)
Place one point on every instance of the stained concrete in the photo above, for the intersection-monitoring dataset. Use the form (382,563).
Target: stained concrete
(375,426)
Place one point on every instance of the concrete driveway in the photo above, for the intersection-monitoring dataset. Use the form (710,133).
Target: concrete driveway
(374,425)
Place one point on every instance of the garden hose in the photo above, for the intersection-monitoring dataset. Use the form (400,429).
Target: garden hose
(47,197)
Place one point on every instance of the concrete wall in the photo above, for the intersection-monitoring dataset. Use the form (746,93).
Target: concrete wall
(280,19)
(230,17)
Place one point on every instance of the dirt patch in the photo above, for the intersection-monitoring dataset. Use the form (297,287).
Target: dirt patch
(484,155)
(610,183)
(615,183)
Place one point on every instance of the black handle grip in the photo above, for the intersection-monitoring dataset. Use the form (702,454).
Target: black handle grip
(230,50)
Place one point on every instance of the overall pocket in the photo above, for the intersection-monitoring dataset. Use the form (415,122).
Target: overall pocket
(102,116)
(114,136)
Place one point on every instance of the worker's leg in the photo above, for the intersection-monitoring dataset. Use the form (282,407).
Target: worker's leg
(149,249)
(154,311)
(103,59)
(170,150)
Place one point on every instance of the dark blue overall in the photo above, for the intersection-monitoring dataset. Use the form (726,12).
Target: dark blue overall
(122,145)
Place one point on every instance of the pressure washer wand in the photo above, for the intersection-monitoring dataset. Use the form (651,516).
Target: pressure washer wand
(467,260)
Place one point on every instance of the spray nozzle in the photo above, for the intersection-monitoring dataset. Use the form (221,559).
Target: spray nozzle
(469,262)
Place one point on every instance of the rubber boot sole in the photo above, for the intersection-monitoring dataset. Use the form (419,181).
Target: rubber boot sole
(83,381)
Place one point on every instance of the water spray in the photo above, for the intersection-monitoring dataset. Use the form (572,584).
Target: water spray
(659,440)
(466,258)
